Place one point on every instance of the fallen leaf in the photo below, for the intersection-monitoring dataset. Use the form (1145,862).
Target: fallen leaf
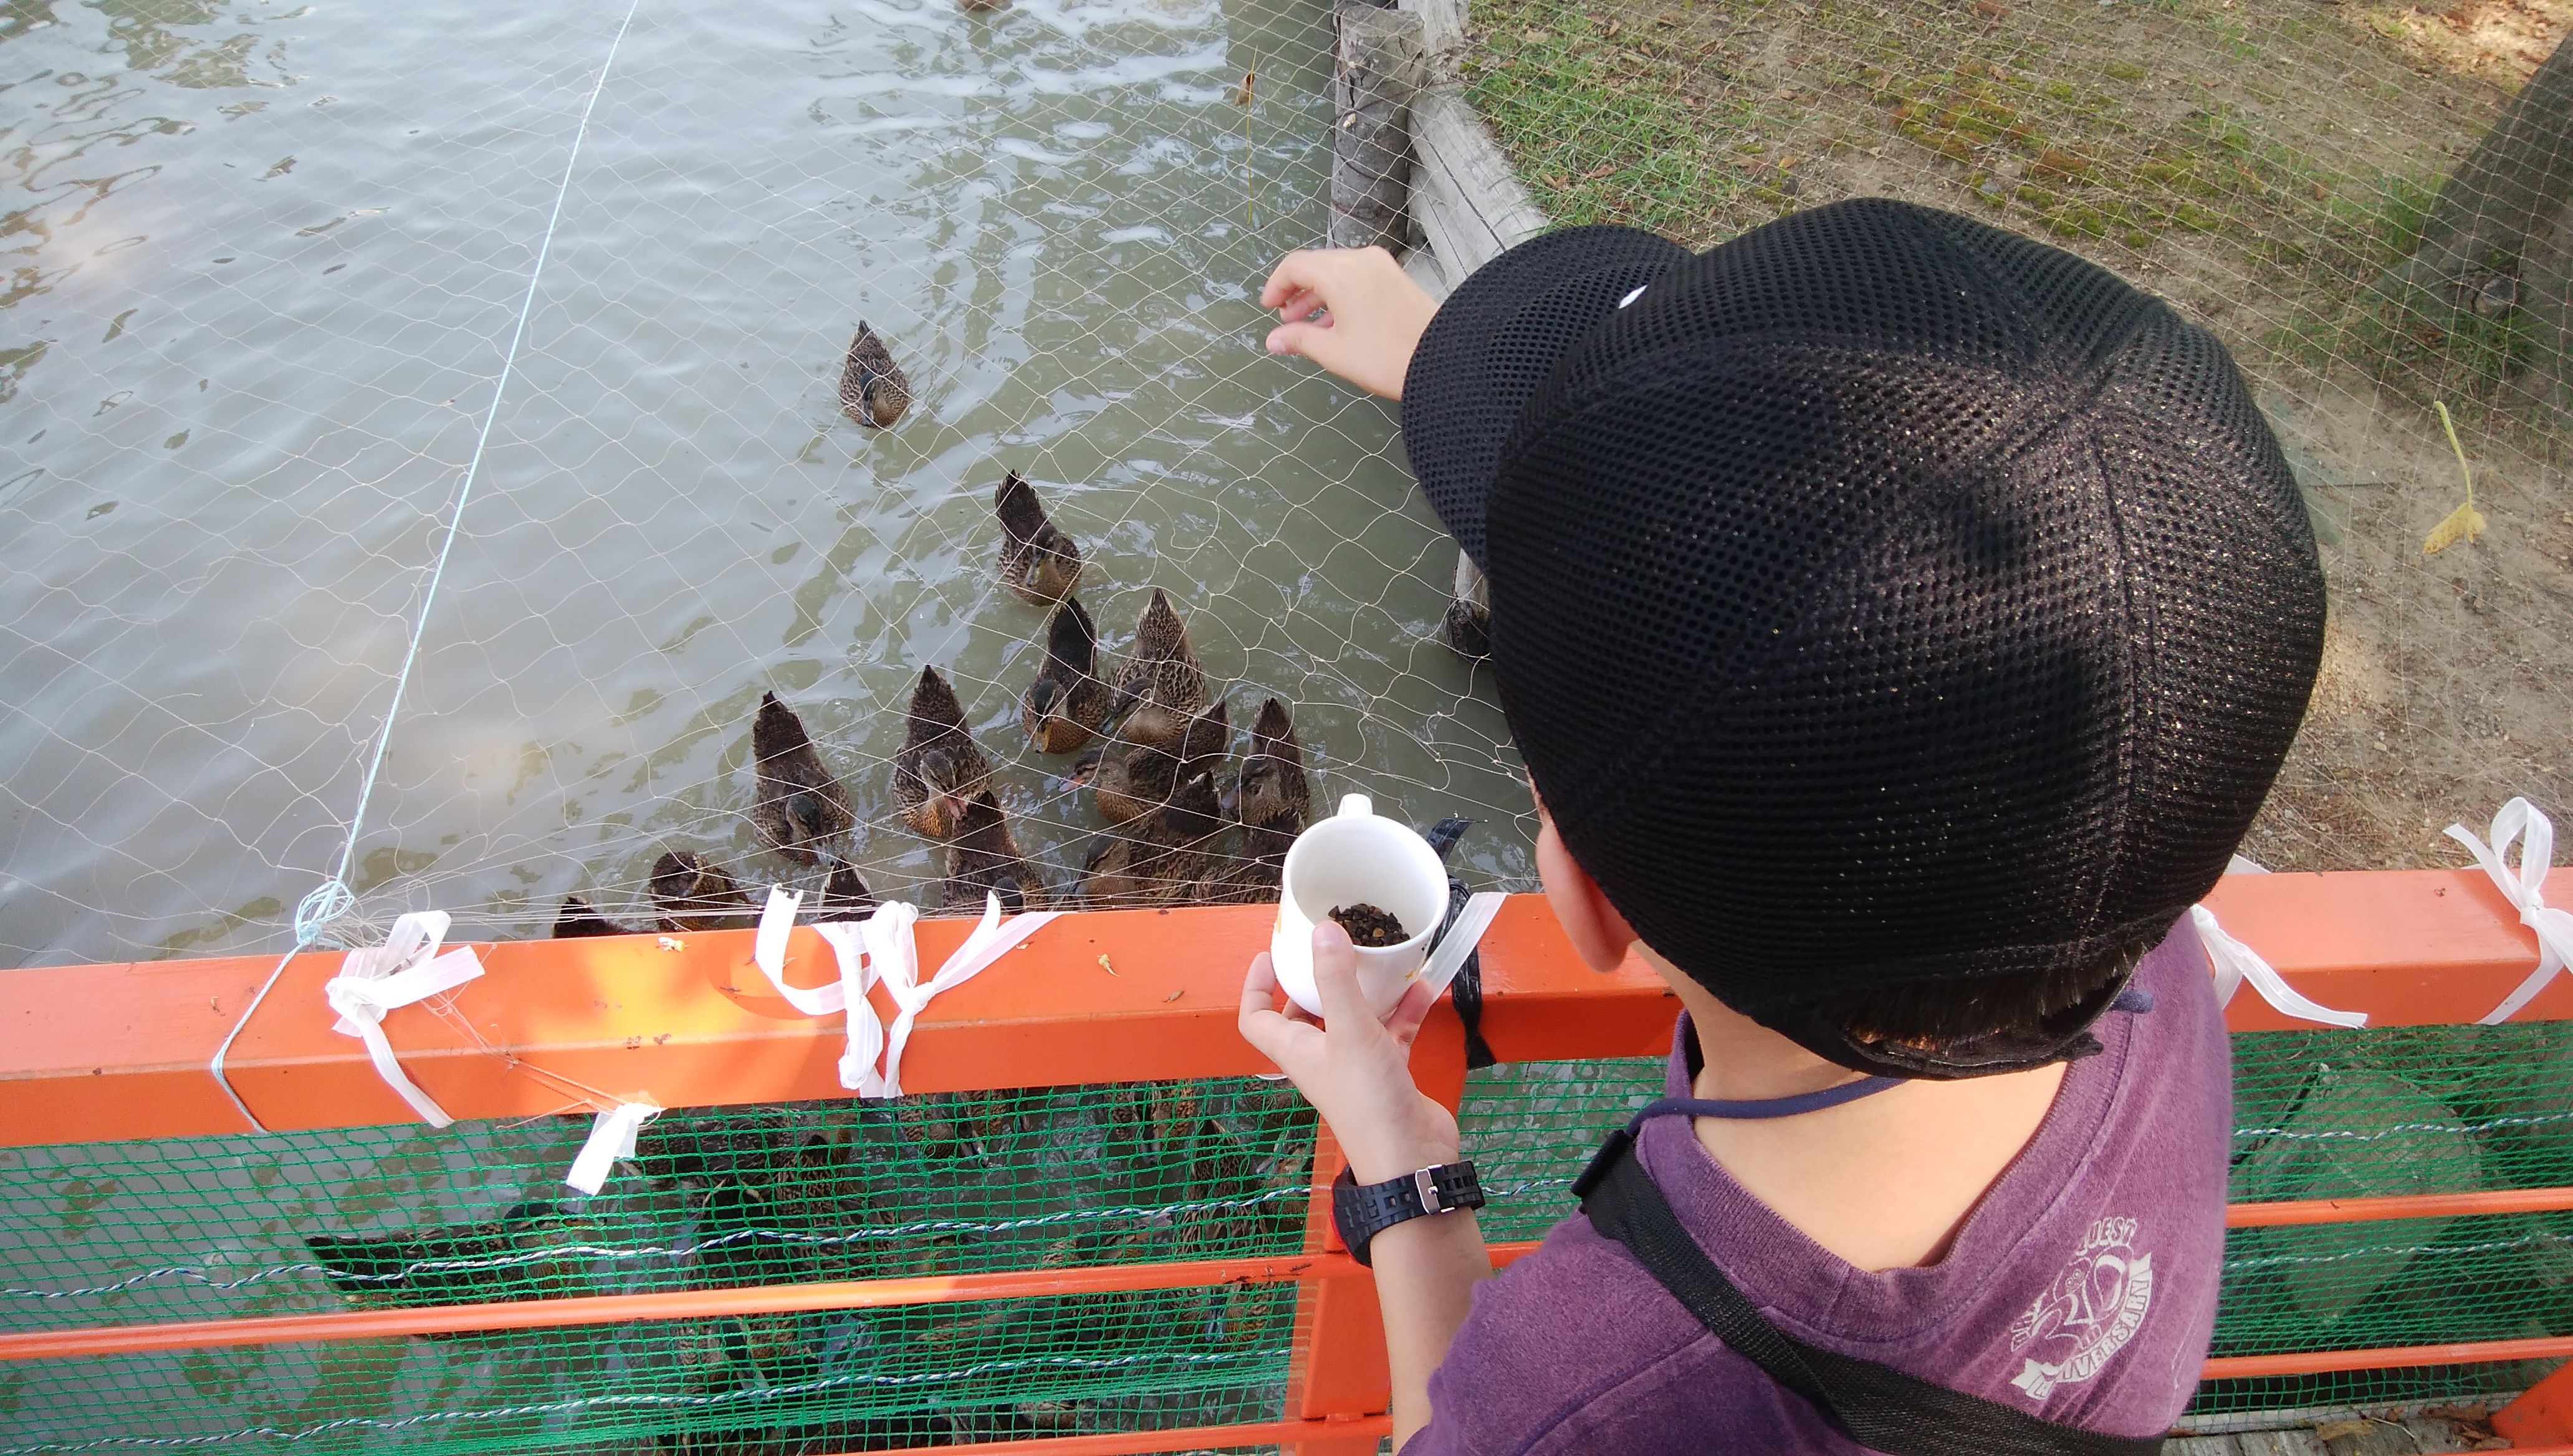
(1242,94)
(2331,1430)
(1992,9)
(2462,524)
(1599,172)
(1173,996)
(1103,966)
(1786,162)
(2465,522)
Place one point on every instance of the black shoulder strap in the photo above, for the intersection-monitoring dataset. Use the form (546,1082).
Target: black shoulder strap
(1881,1408)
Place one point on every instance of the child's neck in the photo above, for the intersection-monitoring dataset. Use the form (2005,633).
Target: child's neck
(1883,1182)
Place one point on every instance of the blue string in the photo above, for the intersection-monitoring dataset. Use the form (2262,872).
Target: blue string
(333,901)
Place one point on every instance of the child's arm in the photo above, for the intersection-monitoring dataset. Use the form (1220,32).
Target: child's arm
(1358,1076)
(1372,315)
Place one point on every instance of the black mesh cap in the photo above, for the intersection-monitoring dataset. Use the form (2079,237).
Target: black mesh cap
(1494,341)
(1878,599)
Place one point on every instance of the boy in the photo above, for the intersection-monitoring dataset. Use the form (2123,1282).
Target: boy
(1901,621)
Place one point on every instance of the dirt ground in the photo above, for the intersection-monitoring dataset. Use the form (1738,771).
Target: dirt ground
(2261,163)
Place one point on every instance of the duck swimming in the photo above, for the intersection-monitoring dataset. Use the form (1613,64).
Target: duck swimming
(1068,702)
(1161,855)
(939,769)
(576,918)
(695,895)
(1038,562)
(801,809)
(844,896)
(985,859)
(1271,800)
(1160,684)
(873,390)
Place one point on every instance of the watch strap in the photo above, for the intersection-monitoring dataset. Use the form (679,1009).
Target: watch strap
(1361,1211)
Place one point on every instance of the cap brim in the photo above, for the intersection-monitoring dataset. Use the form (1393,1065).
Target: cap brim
(1494,341)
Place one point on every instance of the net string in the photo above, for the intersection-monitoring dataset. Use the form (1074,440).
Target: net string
(332,902)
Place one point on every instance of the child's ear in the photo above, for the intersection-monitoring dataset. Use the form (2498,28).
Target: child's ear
(1599,934)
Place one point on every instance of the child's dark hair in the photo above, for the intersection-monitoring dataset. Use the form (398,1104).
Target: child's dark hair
(1929,1014)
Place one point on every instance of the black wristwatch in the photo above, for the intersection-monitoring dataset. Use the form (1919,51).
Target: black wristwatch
(1360,1213)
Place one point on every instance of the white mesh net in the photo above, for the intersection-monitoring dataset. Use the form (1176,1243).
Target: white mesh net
(1056,215)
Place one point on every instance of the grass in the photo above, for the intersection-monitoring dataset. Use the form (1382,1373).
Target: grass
(1707,121)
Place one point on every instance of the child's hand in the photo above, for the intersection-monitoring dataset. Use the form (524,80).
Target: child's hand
(1373,315)
(1358,1073)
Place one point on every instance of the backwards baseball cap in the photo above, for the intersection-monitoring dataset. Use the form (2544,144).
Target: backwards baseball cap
(1879,600)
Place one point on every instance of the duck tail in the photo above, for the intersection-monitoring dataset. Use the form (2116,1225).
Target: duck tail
(1072,644)
(1274,733)
(1022,514)
(934,707)
(777,731)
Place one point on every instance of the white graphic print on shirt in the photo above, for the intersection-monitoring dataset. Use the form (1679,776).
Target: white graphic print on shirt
(2088,1314)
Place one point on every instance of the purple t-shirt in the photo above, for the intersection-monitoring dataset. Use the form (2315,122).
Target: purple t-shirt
(2081,1288)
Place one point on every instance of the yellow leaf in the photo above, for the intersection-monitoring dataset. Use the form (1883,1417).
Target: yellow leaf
(2463,525)
(2465,522)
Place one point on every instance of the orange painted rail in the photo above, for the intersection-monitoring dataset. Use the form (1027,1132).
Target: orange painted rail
(106,1053)
(91,1054)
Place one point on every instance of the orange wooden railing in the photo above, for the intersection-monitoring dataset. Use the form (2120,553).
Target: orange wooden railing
(103,1052)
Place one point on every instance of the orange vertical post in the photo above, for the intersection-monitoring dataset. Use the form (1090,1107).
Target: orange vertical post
(2543,1413)
(1338,1371)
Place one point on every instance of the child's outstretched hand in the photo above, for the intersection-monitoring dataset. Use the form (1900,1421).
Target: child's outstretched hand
(1372,315)
(1355,1071)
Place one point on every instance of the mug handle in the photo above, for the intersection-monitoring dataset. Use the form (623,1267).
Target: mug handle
(1358,805)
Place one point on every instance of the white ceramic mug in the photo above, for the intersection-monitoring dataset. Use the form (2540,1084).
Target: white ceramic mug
(1355,858)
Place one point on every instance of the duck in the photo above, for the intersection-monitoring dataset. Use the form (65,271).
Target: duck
(1161,685)
(873,390)
(1169,853)
(1068,702)
(1272,800)
(844,895)
(1038,561)
(576,918)
(693,895)
(801,809)
(530,1251)
(939,770)
(984,860)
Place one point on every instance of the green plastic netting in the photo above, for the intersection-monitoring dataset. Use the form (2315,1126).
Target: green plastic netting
(216,1227)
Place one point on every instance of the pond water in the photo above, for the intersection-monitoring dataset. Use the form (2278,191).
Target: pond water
(270,263)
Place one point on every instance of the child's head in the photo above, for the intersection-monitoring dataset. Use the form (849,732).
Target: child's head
(1902,620)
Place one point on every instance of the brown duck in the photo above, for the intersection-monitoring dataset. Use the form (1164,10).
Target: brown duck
(1038,562)
(844,896)
(1160,684)
(1068,702)
(576,918)
(695,895)
(939,770)
(873,390)
(1271,800)
(985,859)
(1169,853)
(801,809)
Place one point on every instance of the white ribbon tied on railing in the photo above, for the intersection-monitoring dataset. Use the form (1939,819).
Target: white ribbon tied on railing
(2236,963)
(1449,956)
(880,948)
(2521,821)
(900,969)
(847,997)
(406,969)
(612,1136)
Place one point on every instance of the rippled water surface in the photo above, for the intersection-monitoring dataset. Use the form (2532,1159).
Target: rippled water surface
(265,263)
